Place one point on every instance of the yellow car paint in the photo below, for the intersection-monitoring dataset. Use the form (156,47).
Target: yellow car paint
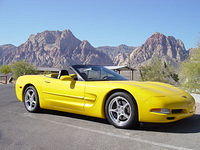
(88,97)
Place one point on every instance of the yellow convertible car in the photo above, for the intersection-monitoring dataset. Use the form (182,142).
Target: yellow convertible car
(99,92)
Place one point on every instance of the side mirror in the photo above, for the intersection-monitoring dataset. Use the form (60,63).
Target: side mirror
(73,76)
(68,77)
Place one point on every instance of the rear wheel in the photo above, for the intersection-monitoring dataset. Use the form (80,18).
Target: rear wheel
(121,110)
(31,99)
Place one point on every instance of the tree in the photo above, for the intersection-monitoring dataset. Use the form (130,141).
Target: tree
(160,71)
(22,68)
(5,69)
(190,71)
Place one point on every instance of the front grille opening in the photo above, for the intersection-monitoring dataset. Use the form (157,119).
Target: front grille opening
(177,111)
(170,118)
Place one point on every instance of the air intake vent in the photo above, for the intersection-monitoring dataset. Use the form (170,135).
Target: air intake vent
(177,111)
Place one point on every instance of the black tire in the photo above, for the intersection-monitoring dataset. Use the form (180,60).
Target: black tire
(132,119)
(35,107)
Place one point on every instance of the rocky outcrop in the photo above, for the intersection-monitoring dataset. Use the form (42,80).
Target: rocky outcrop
(5,52)
(121,58)
(56,49)
(114,52)
(166,48)
(62,48)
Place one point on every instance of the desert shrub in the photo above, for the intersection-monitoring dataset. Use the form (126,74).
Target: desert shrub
(160,71)
(22,68)
(5,69)
(190,72)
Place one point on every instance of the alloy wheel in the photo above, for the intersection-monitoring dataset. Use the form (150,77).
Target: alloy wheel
(119,110)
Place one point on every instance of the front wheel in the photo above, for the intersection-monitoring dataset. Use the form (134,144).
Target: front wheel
(121,110)
(31,99)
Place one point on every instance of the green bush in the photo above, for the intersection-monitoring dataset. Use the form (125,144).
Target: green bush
(22,68)
(5,69)
(190,72)
(159,71)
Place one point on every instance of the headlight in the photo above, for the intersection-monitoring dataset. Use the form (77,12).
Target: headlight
(161,110)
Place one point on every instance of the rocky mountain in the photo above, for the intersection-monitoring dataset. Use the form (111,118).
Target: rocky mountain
(5,50)
(7,47)
(116,51)
(166,48)
(55,49)
(121,58)
(62,48)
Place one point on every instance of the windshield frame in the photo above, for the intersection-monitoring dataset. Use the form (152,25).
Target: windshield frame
(77,67)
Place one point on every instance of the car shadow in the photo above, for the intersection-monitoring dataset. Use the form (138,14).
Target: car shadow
(76,116)
(188,125)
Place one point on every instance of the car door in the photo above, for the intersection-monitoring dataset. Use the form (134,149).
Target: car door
(59,94)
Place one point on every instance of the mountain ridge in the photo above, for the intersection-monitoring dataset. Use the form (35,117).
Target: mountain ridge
(56,49)
(62,48)
(167,48)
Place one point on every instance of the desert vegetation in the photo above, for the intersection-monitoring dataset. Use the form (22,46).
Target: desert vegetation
(190,72)
(187,75)
(158,70)
(18,69)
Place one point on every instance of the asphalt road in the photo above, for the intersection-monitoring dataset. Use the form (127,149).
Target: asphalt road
(57,130)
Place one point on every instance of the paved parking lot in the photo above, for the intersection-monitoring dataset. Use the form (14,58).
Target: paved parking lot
(57,130)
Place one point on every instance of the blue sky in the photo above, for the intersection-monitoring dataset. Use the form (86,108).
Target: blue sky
(101,22)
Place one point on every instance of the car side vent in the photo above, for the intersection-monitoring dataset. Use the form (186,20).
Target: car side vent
(177,111)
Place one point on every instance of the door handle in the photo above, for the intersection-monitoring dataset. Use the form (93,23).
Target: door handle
(47,81)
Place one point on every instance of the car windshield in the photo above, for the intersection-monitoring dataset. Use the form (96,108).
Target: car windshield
(97,73)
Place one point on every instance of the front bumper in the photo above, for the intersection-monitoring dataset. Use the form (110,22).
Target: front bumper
(174,103)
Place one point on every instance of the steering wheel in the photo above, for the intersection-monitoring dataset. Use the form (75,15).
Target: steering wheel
(105,77)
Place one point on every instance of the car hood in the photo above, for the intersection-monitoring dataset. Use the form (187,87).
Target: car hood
(153,88)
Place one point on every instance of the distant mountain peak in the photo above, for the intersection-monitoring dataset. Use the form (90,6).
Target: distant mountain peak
(57,49)
(116,52)
(57,33)
(67,31)
(164,47)
(62,48)
(86,44)
(157,33)
(7,45)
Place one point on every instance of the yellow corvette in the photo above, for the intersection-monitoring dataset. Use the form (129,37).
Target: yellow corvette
(99,92)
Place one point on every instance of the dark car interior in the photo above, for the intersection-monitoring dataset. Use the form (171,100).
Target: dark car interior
(62,73)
